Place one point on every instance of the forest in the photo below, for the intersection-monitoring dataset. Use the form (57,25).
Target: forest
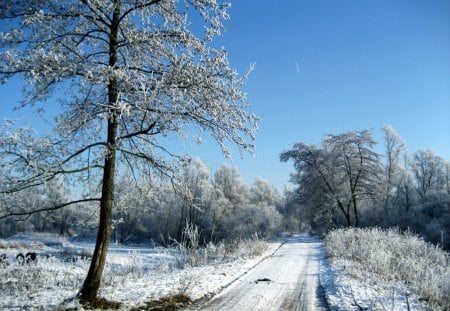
(343,182)
(346,183)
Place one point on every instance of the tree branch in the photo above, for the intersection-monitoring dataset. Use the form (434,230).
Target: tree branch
(49,209)
(138,7)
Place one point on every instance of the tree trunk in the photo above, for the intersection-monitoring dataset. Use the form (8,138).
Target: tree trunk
(346,213)
(91,285)
(355,210)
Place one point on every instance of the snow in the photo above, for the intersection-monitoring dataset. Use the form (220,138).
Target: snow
(346,291)
(135,275)
(287,280)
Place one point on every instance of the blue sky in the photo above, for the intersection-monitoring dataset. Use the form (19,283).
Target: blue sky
(327,66)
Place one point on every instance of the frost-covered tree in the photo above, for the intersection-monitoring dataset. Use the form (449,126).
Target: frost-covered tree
(447,177)
(260,214)
(55,193)
(395,150)
(429,171)
(316,194)
(344,172)
(228,182)
(358,168)
(196,191)
(132,208)
(263,192)
(290,209)
(405,190)
(119,76)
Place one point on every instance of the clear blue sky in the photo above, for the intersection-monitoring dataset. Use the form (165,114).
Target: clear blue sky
(327,66)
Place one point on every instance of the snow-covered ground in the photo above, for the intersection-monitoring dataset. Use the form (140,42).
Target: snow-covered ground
(136,275)
(347,291)
(376,269)
(133,275)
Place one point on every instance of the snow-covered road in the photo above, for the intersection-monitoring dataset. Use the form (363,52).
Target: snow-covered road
(287,280)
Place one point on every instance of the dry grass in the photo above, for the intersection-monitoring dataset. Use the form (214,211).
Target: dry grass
(166,303)
(100,303)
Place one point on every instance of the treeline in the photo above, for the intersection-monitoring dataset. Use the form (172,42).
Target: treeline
(345,183)
(219,207)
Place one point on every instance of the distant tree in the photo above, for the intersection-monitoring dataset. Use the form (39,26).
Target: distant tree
(429,172)
(132,208)
(447,177)
(252,219)
(345,171)
(395,148)
(127,73)
(265,200)
(316,194)
(406,190)
(227,181)
(55,193)
(263,192)
(241,211)
(293,218)
(18,204)
(196,192)
(165,213)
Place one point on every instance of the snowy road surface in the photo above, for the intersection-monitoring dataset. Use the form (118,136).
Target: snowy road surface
(287,280)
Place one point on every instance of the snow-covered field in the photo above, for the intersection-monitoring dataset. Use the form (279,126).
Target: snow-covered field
(133,275)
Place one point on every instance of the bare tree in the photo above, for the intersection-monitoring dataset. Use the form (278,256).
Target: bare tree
(127,73)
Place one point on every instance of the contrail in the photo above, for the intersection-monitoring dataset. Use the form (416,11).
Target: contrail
(297,66)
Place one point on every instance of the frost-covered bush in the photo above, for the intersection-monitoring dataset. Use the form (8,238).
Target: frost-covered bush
(45,273)
(224,251)
(397,256)
(190,252)
(252,247)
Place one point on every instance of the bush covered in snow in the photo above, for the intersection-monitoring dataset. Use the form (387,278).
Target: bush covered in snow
(191,253)
(395,256)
